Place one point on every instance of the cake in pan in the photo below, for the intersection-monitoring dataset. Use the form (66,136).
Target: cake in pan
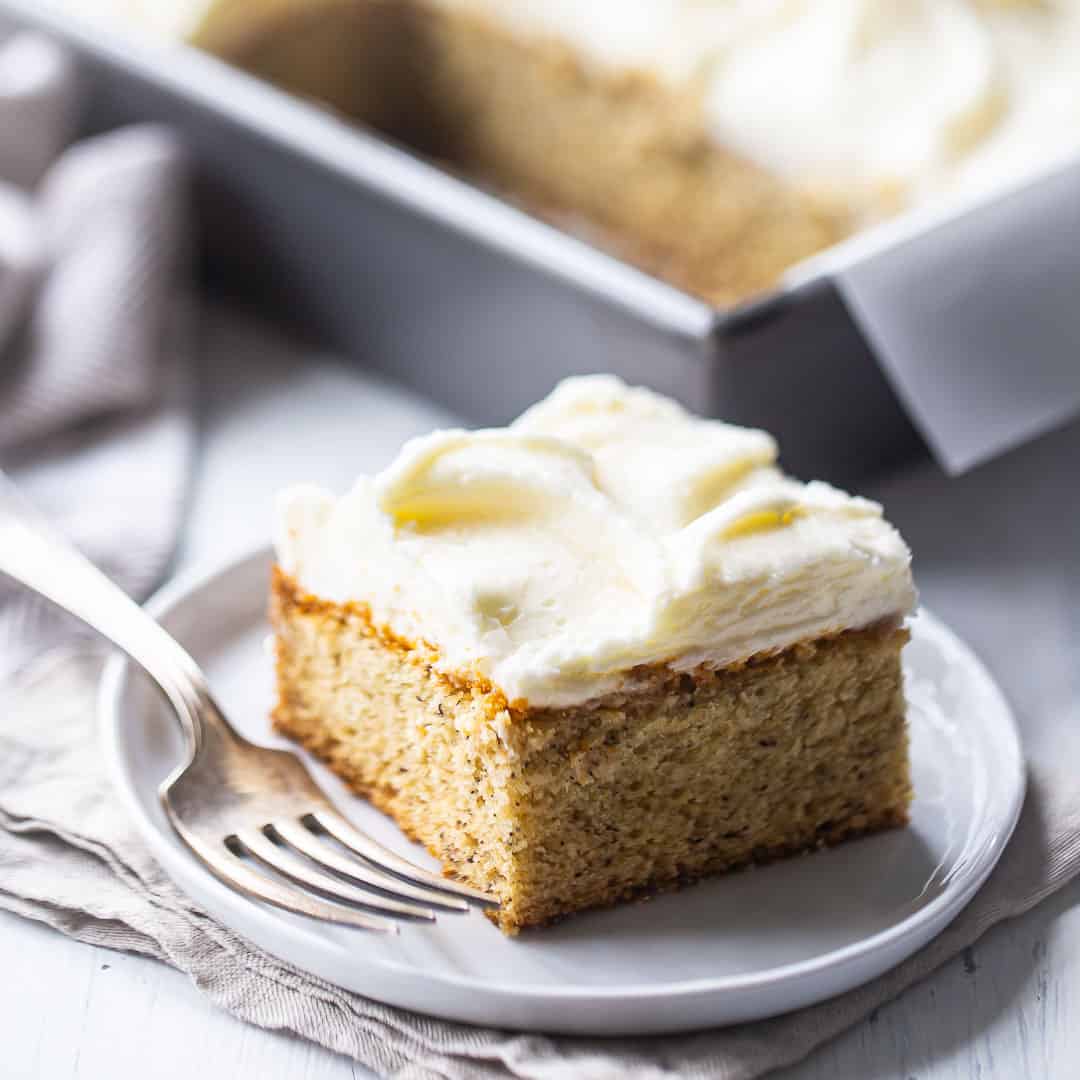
(713,142)
(607,650)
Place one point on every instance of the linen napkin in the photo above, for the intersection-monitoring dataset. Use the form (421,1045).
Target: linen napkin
(69,857)
(95,418)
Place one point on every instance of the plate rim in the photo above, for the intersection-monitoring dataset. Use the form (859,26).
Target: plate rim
(945,906)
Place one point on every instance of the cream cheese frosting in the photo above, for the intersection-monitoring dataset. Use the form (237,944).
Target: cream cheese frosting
(876,103)
(879,103)
(171,20)
(604,529)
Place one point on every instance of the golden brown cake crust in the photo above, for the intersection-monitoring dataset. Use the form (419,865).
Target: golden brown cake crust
(286,596)
(557,810)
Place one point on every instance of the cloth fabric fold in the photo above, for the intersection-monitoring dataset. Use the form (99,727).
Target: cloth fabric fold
(95,396)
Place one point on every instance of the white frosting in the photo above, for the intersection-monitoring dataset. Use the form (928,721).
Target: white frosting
(878,102)
(168,19)
(606,528)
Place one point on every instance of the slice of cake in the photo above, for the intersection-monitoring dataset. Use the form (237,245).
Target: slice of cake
(607,650)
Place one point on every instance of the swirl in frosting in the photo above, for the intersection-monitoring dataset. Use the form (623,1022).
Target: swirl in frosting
(872,103)
(606,528)
(877,103)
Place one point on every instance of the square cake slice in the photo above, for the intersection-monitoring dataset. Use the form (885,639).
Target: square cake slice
(605,651)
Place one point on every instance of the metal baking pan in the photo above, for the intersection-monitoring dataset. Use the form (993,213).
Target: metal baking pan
(468,299)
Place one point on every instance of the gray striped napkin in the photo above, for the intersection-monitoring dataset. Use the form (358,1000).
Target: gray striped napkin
(95,423)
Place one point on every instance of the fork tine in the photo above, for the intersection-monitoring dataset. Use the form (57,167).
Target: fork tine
(232,870)
(307,843)
(383,858)
(278,858)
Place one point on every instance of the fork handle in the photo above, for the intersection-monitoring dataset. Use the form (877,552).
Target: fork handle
(34,554)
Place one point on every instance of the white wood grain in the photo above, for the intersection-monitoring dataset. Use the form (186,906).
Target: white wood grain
(1005,1009)
(75,1011)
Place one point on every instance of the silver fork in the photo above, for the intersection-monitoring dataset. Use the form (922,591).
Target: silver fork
(253,815)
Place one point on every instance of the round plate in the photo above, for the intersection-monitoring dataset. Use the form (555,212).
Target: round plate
(734,948)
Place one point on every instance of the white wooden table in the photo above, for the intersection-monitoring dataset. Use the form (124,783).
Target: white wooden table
(1006,1010)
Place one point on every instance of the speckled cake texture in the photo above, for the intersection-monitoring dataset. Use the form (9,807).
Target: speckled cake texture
(607,650)
(558,810)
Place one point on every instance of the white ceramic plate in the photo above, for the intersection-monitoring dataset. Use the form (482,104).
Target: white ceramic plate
(735,948)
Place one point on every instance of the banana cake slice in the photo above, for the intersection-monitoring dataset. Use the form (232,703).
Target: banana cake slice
(607,650)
